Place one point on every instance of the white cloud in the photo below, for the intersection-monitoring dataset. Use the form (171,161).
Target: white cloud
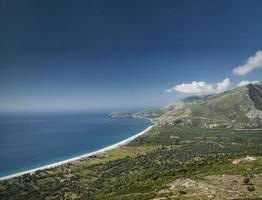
(223,85)
(242,83)
(201,87)
(253,62)
(194,87)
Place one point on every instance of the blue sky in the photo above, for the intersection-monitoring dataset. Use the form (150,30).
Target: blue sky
(66,55)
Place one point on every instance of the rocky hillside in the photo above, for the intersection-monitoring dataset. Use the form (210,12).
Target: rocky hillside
(240,107)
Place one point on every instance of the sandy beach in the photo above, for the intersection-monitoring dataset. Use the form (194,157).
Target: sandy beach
(114,146)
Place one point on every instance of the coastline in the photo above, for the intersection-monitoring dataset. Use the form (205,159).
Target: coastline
(56,164)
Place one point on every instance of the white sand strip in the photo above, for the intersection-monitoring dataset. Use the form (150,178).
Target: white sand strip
(114,146)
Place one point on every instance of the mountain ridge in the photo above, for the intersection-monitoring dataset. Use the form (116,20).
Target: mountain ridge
(240,107)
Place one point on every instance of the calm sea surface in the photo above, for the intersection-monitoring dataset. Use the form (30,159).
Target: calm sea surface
(28,141)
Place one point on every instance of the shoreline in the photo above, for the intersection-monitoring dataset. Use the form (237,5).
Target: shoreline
(103,150)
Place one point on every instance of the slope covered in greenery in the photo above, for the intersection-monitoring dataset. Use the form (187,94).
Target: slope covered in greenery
(240,107)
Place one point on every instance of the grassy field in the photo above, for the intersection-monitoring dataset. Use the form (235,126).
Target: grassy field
(167,163)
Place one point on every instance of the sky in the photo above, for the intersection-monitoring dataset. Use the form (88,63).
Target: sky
(95,54)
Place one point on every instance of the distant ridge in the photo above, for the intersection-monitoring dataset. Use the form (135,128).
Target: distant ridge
(117,114)
(176,105)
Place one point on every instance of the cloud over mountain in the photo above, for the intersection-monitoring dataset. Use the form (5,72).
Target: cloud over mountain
(242,83)
(253,62)
(201,87)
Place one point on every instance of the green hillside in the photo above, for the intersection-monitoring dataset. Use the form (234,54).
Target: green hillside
(240,107)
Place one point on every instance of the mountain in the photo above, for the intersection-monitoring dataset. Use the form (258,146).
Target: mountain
(120,114)
(157,112)
(240,107)
(176,105)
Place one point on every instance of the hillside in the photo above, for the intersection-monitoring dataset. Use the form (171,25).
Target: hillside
(240,107)
(174,106)
(154,113)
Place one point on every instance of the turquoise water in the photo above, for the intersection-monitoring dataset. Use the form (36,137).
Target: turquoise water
(28,141)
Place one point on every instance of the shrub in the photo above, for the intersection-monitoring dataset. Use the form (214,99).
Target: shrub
(250,188)
(246,180)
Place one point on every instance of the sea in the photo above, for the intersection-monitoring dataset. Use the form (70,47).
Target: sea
(32,140)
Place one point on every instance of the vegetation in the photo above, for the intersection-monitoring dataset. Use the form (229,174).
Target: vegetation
(238,108)
(145,166)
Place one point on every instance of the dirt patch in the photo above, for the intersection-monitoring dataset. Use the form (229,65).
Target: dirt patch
(216,187)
